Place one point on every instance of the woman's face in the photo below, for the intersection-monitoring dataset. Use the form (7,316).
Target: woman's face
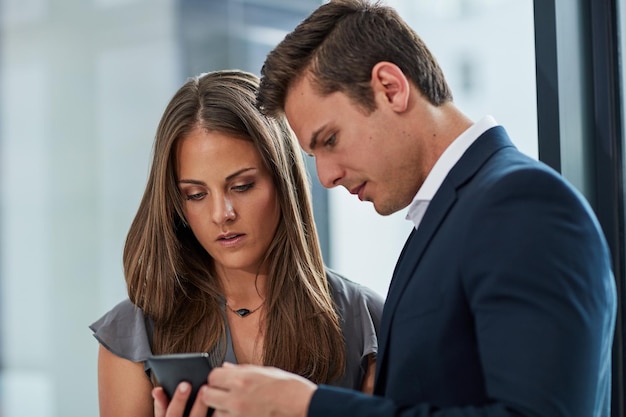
(229,198)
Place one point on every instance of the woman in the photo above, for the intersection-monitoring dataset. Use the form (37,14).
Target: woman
(223,256)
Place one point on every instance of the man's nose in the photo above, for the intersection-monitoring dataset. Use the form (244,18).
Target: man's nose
(329,173)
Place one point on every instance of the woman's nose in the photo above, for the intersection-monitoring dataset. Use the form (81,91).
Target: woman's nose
(224,211)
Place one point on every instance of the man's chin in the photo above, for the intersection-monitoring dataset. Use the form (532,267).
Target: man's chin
(383,210)
(387,209)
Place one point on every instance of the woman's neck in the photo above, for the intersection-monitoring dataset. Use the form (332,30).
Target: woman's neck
(242,289)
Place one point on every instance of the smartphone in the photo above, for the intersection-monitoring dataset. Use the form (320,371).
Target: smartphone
(172,369)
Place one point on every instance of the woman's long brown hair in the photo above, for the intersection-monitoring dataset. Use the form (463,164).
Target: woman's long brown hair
(169,274)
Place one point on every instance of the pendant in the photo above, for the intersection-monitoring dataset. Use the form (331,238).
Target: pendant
(242,312)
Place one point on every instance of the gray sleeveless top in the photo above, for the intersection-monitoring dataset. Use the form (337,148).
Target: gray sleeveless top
(127,332)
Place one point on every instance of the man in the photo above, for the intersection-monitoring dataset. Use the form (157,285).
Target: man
(502,302)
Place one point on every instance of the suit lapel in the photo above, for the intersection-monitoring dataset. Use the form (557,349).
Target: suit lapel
(471,161)
(409,259)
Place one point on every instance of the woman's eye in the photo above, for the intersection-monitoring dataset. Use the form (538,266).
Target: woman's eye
(194,197)
(331,141)
(242,188)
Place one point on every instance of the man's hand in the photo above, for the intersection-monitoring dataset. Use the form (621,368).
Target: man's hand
(256,391)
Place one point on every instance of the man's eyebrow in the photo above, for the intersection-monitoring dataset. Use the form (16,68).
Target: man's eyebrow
(314,136)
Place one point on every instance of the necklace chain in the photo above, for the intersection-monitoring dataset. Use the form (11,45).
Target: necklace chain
(244,312)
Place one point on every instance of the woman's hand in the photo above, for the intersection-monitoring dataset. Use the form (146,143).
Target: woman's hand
(176,407)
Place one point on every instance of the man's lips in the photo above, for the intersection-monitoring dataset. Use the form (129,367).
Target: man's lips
(358,191)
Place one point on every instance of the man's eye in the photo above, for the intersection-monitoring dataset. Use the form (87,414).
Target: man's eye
(194,197)
(242,188)
(331,141)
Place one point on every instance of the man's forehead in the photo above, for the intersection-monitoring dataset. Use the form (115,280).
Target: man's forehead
(298,105)
(301,88)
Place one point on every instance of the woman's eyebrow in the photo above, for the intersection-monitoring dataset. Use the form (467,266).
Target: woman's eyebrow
(193,182)
(239,172)
(228,178)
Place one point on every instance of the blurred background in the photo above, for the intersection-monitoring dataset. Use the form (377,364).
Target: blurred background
(82,87)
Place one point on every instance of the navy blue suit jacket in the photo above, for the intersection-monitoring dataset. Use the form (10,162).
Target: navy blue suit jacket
(502,302)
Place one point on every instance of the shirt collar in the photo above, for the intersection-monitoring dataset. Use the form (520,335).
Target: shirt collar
(444,164)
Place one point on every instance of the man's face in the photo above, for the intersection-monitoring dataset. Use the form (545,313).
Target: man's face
(371,155)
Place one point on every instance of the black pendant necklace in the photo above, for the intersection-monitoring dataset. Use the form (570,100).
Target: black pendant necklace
(243,312)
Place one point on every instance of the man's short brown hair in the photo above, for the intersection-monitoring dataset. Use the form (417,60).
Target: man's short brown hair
(339,44)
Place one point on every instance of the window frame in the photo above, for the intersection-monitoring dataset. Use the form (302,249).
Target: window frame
(583,35)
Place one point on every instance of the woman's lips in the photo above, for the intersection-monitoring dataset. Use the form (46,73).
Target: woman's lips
(230,240)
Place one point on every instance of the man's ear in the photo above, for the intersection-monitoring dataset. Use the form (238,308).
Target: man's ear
(391,86)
